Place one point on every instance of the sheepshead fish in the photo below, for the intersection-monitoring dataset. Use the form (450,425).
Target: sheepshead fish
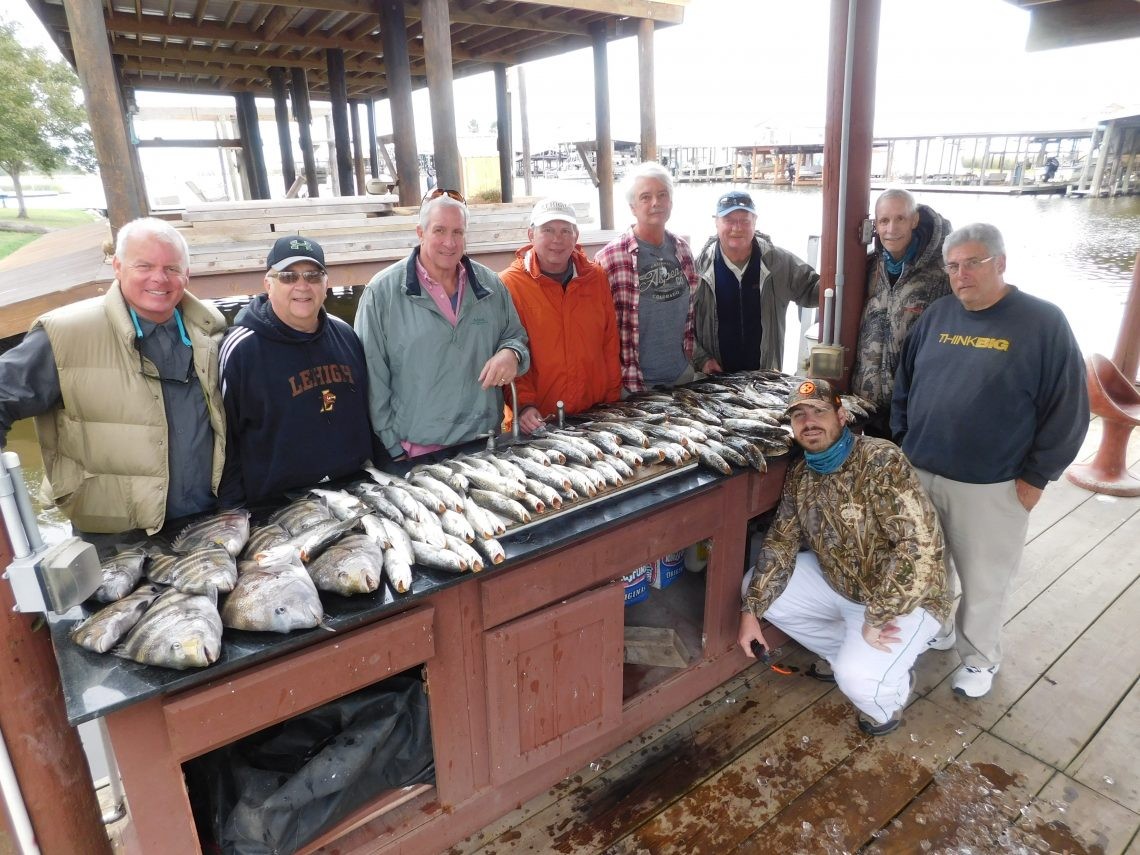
(263,538)
(121,573)
(312,541)
(210,571)
(279,598)
(297,516)
(102,630)
(179,630)
(229,530)
(350,566)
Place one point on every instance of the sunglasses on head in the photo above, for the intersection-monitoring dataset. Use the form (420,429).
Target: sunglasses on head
(450,194)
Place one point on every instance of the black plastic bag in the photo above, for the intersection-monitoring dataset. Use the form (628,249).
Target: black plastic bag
(274,791)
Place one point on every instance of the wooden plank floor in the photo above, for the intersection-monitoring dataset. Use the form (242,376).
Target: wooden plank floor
(1049,761)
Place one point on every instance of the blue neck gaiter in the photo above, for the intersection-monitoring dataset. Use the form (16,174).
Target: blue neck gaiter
(826,462)
(896,267)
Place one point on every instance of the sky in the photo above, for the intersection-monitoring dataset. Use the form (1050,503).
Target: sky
(754,71)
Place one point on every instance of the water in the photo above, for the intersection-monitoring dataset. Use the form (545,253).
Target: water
(1077,253)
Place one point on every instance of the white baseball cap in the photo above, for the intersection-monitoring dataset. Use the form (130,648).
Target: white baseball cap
(551,209)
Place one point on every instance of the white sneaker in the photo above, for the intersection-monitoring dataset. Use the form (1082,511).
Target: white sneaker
(942,642)
(973,682)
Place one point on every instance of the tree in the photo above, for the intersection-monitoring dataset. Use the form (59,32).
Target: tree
(43,125)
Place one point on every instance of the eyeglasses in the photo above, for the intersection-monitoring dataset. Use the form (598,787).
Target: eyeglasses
(147,370)
(967,266)
(450,194)
(291,277)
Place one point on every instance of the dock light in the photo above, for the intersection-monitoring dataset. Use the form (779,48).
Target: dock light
(43,578)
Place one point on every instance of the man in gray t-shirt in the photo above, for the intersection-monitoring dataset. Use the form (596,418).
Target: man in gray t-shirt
(663,307)
(653,280)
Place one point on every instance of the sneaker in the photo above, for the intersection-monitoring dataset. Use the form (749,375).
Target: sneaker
(821,670)
(973,682)
(872,728)
(942,642)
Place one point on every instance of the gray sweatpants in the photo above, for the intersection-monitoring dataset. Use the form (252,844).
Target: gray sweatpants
(985,527)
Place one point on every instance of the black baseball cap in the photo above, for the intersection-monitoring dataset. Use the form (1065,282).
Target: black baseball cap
(294,248)
(735,200)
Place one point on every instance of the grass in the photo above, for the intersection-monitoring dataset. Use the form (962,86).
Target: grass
(51,218)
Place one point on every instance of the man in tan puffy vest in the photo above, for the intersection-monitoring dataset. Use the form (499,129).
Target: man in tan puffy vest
(124,390)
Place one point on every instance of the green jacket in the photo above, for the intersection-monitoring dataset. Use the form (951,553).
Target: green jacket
(423,374)
(105,450)
(784,279)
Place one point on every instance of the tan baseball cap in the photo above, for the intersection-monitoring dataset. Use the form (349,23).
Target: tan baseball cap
(818,393)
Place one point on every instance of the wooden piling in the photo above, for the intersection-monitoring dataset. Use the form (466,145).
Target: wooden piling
(436,23)
(393,34)
(647,94)
(304,118)
(605,145)
(338,97)
(281,114)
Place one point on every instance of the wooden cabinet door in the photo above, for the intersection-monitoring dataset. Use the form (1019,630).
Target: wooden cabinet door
(554,680)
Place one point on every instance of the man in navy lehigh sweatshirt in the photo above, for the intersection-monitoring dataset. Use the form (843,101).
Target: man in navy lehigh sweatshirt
(990,405)
(294,385)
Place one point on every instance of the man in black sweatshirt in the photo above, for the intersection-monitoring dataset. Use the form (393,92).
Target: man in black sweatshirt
(989,404)
(294,385)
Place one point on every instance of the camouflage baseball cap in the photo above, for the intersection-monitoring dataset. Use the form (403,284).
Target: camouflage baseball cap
(818,393)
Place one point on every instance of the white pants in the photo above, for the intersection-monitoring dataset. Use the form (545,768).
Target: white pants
(831,626)
(985,527)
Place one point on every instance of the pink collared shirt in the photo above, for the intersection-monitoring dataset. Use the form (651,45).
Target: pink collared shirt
(443,303)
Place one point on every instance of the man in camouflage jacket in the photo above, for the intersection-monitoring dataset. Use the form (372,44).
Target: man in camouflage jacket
(904,276)
(871,584)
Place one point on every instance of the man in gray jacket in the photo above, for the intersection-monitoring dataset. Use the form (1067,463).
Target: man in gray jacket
(440,333)
(746,284)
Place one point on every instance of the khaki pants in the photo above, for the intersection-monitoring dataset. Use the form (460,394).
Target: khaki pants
(985,527)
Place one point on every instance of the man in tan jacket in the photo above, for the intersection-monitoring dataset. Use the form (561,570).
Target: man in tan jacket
(124,390)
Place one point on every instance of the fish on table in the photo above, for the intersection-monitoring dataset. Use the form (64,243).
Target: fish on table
(179,630)
(229,530)
(278,597)
(121,574)
(103,630)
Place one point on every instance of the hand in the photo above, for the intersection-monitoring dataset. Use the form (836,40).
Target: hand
(750,631)
(1027,494)
(711,366)
(881,637)
(530,419)
(500,369)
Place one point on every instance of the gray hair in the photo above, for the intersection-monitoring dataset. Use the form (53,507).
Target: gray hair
(429,207)
(155,229)
(898,193)
(649,169)
(983,233)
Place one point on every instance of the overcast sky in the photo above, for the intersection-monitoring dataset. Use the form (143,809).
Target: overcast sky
(744,71)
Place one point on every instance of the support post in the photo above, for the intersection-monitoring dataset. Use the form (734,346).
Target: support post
(281,114)
(393,35)
(605,143)
(1127,352)
(252,147)
(1102,158)
(47,757)
(357,146)
(528,186)
(503,120)
(304,119)
(373,151)
(338,96)
(436,23)
(857,187)
(122,184)
(647,95)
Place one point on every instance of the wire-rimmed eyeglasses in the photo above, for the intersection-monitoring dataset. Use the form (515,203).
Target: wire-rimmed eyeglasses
(292,277)
(439,191)
(967,266)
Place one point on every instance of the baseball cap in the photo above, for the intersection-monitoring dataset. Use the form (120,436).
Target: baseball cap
(294,248)
(546,210)
(735,200)
(819,393)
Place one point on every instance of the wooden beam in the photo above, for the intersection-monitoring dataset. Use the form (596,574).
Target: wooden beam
(357,146)
(503,127)
(392,30)
(604,133)
(189,143)
(304,118)
(437,51)
(122,185)
(646,96)
(339,97)
(281,115)
(373,154)
(672,13)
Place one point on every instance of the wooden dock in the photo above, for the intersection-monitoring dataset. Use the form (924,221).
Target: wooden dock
(769,763)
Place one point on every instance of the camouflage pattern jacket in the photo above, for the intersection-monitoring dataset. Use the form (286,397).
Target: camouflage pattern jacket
(871,525)
(891,310)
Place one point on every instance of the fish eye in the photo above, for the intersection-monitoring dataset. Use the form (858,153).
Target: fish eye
(176,645)
(280,610)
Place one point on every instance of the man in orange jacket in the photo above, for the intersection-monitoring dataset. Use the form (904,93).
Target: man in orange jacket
(564,302)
